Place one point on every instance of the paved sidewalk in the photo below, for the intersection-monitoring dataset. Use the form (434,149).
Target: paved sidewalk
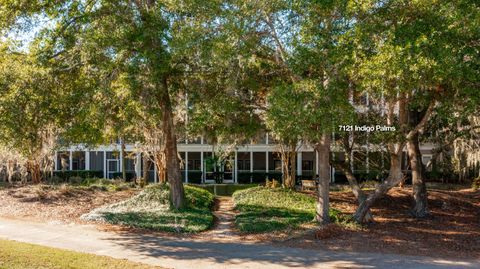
(178,253)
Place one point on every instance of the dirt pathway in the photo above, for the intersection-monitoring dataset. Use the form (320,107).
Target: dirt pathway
(224,228)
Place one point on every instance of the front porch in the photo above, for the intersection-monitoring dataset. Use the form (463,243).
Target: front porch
(246,165)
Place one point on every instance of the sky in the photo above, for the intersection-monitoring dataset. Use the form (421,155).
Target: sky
(24,36)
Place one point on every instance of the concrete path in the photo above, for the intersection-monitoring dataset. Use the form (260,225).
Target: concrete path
(178,253)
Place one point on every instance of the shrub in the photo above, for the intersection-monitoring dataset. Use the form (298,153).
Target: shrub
(103,184)
(369,184)
(75,180)
(55,180)
(96,181)
(97,187)
(65,175)
(258,177)
(141,182)
(130,176)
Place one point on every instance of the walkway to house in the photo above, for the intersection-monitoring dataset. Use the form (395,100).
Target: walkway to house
(224,221)
(191,253)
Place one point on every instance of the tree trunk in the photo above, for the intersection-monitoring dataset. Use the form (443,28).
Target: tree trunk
(293,168)
(288,166)
(357,191)
(395,176)
(35,173)
(145,166)
(10,171)
(177,193)
(420,209)
(322,206)
(162,173)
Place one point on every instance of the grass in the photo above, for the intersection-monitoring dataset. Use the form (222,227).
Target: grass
(224,189)
(151,209)
(265,209)
(15,255)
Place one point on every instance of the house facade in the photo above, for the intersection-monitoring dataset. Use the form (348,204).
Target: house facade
(249,163)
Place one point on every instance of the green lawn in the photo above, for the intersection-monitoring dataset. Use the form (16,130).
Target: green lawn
(265,209)
(224,189)
(15,255)
(151,209)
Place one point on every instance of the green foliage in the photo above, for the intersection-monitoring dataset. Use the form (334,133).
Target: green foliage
(258,177)
(129,175)
(151,209)
(75,180)
(266,209)
(65,175)
(426,51)
(104,184)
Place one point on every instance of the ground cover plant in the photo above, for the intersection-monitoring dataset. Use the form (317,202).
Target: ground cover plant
(264,209)
(151,209)
(16,255)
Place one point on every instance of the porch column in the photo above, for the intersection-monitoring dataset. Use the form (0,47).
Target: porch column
(251,166)
(104,164)
(121,161)
(186,166)
(235,168)
(155,176)
(266,161)
(70,160)
(316,164)
(55,161)
(299,163)
(138,165)
(333,175)
(87,159)
(202,166)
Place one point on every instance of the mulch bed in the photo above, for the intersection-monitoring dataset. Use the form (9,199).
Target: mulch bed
(453,231)
(44,203)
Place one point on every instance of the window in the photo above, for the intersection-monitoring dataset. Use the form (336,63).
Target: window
(78,160)
(243,165)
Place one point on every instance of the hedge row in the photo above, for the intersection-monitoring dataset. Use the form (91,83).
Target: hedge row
(130,176)
(65,175)
(258,177)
